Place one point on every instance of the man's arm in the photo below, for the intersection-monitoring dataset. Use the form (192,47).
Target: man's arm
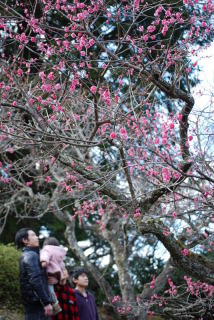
(48,310)
(37,278)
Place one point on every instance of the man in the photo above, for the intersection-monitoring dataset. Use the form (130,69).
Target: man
(67,301)
(33,281)
(85,300)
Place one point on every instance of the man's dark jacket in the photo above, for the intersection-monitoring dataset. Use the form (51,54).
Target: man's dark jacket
(33,281)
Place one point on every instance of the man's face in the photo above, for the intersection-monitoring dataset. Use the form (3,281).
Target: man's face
(32,240)
(82,280)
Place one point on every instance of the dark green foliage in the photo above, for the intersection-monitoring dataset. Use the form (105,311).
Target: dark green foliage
(144,269)
(14,224)
(56,227)
(49,221)
(9,276)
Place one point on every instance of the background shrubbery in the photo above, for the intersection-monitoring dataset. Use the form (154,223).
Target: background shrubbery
(9,277)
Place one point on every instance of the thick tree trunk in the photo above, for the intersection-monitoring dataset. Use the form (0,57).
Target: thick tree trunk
(70,235)
(160,282)
(193,264)
(113,233)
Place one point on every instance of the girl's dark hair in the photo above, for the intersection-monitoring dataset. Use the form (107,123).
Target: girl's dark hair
(51,241)
(20,235)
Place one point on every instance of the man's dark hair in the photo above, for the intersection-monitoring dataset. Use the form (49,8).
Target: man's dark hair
(77,272)
(51,241)
(20,235)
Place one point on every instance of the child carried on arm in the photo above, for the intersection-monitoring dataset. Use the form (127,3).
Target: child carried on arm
(51,258)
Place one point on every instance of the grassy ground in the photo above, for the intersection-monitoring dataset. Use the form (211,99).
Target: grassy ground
(11,314)
(18,315)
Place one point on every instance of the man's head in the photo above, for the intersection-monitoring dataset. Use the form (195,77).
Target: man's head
(80,278)
(26,237)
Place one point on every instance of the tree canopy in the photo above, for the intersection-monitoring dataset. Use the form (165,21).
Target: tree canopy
(95,114)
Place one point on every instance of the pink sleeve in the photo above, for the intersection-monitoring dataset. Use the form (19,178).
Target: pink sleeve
(45,255)
(62,266)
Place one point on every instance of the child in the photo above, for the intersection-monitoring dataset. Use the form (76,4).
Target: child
(85,300)
(51,258)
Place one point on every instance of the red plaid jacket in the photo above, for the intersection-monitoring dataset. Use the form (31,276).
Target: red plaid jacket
(68,303)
